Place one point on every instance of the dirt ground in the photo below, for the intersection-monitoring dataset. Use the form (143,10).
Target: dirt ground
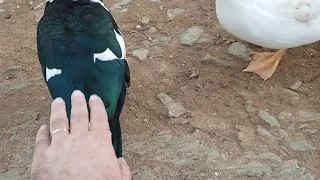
(219,136)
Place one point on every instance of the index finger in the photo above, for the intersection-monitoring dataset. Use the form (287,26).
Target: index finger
(98,117)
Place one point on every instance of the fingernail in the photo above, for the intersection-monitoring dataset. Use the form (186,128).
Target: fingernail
(43,127)
(94,97)
(58,100)
(122,159)
(76,93)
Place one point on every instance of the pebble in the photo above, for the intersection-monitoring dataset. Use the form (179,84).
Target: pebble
(120,5)
(38,6)
(290,97)
(263,132)
(190,36)
(296,85)
(239,50)
(253,169)
(175,109)
(144,20)
(172,13)
(302,145)
(13,138)
(1,10)
(156,1)
(1,1)
(283,134)
(194,74)
(290,169)
(161,41)
(272,121)
(307,116)
(271,157)
(141,54)
(152,30)
(284,116)
(215,61)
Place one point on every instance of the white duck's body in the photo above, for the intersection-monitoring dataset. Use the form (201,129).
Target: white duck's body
(275,24)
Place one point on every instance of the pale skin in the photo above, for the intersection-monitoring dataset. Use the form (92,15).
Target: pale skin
(80,154)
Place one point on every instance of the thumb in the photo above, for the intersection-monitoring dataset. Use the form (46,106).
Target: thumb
(125,169)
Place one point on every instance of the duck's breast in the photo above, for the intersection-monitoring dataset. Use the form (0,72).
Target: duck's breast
(273,24)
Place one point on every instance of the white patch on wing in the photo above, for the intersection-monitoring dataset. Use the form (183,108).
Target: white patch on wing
(108,55)
(50,73)
(121,43)
(50,1)
(101,3)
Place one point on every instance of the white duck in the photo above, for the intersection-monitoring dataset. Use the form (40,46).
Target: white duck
(275,24)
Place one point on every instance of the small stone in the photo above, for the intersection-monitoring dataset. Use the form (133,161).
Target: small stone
(162,41)
(156,1)
(15,68)
(191,36)
(239,50)
(284,116)
(152,30)
(262,131)
(290,169)
(253,169)
(215,61)
(270,156)
(307,116)
(120,5)
(35,116)
(38,6)
(172,13)
(302,145)
(174,109)
(1,10)
(144,20)
(296,85)
(124,10)
(272,121)
(31,3)
(141,54)
(1,1)
(138,26)
(283,134)
(194,74)
(13,138)
(290,96)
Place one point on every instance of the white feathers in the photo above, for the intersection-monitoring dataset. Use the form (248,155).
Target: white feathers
(275,24)
(50,1)
(108,55)
(101,3)
(50,73)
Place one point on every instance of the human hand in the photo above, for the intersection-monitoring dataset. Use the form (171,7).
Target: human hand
(77,154)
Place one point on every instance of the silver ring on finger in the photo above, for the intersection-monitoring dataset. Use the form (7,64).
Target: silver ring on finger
(59,130)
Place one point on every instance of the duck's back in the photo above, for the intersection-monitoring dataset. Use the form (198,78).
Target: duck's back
(271,23)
